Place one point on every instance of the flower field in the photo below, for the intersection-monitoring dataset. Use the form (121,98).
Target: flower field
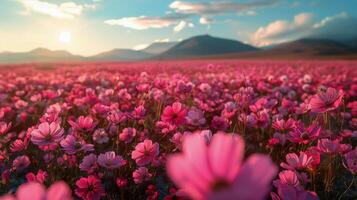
(242,130)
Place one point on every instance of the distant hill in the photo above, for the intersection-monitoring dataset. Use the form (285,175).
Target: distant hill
(121,55)
(158,47)
(39,55)
(307,48)
(204,45)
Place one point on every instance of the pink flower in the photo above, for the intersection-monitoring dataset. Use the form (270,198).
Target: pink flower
(293,161)
(47,134)
(39,177)
(100,136)
(284,126)
(325,101)
(121,182)
(36,191)
(332,146)
(18,145)
(20,163)
(89,188)
(89,163)
(110,161)
(174,114)
(304,135)
(217,172)
(145,152)
(83,124)
(195,117)
(4,127)
(289,177)
(140,175)
(127,135)
(71,146)
(351,161)
(287,192)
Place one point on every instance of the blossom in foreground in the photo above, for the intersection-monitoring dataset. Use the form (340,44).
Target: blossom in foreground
(325,101)
(145,152)
(110,161)
(89,188)
(217,171)
(36,191)
(47,134)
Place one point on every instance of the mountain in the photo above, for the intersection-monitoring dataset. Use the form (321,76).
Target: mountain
(39,55)
(307,48)
(159,47)
(120,55)
(204,45)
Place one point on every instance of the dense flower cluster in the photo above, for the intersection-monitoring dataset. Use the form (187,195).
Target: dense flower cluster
(179,130)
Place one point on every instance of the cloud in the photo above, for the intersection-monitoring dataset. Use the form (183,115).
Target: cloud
(162,40)
(142,22)
(340,27)
(206,20)
(67,10)
(181,25)
(140,47)
(281,30)
(213,8)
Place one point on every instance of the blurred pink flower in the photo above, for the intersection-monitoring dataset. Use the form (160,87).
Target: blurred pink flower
(145,152)
(4,127)
(40,177)
(195,117)
(127,135)
(89,188)
(20,163)
(217,172)
(325,101)
(332,146)
(100,136)
(89,163)
(36,191)
(174,114)
(47,134)
(110,161)
(351,161)
(141,175)
(287,192)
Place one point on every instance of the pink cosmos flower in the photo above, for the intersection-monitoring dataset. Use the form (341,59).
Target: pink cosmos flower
(71,146)
(141,175)
(83,124)
(174,114)
(332,146)
(325,101)
(295,162)
(20,163)
(351,161)
(219,123)
(4,127)
(110,161)
(89,163)
(284,126)
(40,177)
(100,136)
(36,191)
(217,172)
(145,152)
(47,134)
(18,145)
(127,135)
(89,188)
(195,117)
(288,177)
(304,135)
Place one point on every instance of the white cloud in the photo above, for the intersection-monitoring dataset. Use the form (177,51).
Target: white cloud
(219,7)
(140,47)
(162,40)
(280,30)
(67,10)
(330,19)
(206,20)
(181,25)
(142,22)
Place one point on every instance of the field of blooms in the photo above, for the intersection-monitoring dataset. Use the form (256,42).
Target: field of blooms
(220,130)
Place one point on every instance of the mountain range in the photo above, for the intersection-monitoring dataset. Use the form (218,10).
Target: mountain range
(200,47)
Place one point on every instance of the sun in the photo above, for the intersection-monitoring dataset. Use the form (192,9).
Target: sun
(65,37)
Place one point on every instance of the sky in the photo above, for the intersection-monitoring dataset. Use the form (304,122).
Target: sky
(88,27)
